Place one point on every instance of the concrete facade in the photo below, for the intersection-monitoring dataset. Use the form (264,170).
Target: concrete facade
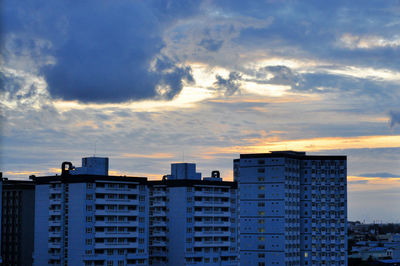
(91,220)
(193,221)
(292,209)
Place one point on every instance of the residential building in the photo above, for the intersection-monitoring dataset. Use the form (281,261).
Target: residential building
(1,188)
(193,221)
(90,219)
(292,209)
(18,206)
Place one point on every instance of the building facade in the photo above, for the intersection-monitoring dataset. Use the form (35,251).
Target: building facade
(292,209)
(193,221)
(95,219)
(1,189)
(18,207)
(91,220)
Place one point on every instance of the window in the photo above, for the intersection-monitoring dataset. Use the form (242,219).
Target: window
(88,230)
(88,219)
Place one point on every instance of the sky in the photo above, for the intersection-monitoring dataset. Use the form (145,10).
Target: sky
(149,83)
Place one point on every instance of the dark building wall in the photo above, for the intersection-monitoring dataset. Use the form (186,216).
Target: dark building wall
(18,206)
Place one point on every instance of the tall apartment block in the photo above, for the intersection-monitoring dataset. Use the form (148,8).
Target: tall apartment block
(193,221)
(1,189)
(90,218)
(292,209)
(18,207)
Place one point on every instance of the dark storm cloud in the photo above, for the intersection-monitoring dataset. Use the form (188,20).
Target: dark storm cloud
(230,85)
(394,118)
(102,50)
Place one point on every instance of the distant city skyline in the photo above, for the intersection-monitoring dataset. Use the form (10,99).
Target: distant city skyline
(149,84)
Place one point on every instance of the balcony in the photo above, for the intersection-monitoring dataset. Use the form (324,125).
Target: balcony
(117,223)
(158,204)
(206,203)
(158,194)
(117,212)
(158,243)
(158,233)
(116,200)
(212,233)
(55,234)
(210,223)
(54,212)
(54,256)
(158,254)
(130,191)
(55,223)
(158,214)
(211,243)
(54,244)
(212,194)
(116,245)
(212,213)
(116,234)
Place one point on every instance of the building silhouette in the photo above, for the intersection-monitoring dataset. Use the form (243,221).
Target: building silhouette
(18,206)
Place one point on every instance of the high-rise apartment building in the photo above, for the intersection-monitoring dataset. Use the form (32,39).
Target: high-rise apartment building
(96,219)
(18,207)
(1,189)
(292,209)
(193,221)
(90,219)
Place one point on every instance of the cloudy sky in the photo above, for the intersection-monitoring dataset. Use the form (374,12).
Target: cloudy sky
(148,83)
